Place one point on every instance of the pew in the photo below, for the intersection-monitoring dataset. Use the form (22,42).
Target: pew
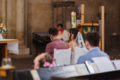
(66,73)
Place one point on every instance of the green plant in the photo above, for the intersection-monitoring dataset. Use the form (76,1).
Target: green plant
(3,30)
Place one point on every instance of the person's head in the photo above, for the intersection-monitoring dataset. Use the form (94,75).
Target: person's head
(53,32)
(48,58)
(73,33)
(60,27)
(92,40)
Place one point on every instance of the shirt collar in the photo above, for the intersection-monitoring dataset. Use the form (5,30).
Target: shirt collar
(56,39)
(93,48)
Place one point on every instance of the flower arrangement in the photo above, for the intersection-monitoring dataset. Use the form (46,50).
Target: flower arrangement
(48,64)
(2,28)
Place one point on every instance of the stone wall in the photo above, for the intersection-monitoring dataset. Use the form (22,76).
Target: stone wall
(0,10)
(11,19)
(38,17)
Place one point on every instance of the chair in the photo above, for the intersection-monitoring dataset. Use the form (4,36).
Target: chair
(116,64)
(77,53)
(63,56)
(104,64)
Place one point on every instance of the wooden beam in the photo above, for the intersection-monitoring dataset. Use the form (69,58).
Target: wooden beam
(82,12)
(89,24)
(102,27)
(9,41)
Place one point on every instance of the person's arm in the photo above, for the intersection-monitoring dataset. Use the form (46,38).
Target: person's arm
(37,60)
(70,45)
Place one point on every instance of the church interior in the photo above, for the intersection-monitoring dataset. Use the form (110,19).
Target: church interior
(29,30)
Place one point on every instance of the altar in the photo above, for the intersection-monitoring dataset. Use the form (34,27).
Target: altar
(4,47)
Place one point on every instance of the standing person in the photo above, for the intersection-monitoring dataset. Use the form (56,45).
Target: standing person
(92,44)
(62,33)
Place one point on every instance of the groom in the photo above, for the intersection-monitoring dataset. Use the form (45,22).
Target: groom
(92,44)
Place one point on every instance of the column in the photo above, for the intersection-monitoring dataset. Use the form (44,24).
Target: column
(20,21)
(4,12)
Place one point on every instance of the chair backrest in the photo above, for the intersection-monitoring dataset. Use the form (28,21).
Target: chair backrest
(77,53)
(63,56)
(116,64)
(104,64)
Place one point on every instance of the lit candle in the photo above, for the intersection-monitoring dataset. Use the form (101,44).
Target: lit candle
(73,17)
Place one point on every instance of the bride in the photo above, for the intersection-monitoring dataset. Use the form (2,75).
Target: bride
(76,39)
(76,44)
(72,37)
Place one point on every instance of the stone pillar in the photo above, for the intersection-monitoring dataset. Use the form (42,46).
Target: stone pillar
(20,21)
(10,19)
(4,12)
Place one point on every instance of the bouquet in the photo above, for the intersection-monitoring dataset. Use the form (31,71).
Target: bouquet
(2,29)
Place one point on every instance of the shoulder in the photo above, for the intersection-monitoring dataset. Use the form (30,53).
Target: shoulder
(83,56)
(63,42)
(82,59)
(70,43)
(49,44)
(104,53)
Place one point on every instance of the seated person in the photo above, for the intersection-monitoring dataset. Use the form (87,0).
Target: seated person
(56,43)
(44,60)
(92,43)
(62,33)
(72,36)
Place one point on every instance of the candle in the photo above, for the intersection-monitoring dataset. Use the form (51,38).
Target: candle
(73,17)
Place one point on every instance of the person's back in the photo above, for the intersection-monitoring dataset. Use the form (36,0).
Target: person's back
(95,52)
(92,43)
(56,43)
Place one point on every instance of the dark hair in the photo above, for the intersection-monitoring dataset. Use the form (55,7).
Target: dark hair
(93,38)
(60,25)
(48,58)
(74,31)
(53,31)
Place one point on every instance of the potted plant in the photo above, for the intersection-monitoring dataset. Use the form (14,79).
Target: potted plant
(3,30)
